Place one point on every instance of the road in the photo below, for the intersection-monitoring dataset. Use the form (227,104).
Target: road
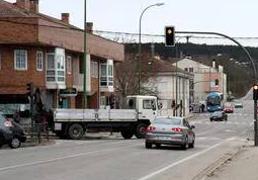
(112,158)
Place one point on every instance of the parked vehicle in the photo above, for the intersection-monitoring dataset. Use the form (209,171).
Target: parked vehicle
(170,131)
(73,123)
(238,104)
(228,108)
(218,116)
(11,133)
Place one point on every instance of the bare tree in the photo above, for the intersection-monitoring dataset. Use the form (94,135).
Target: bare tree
(127,76)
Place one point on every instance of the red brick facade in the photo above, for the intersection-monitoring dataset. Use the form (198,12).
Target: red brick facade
(30,31)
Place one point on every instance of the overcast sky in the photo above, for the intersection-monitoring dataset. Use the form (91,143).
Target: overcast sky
(231,17)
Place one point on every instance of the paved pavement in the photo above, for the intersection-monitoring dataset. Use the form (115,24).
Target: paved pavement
(113,158)
(241,166)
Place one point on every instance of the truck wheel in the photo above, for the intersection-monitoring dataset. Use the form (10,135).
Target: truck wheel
(127,134)
(75,131)
(148,145)
(140,131)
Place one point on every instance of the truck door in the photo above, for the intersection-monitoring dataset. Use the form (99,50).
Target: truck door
(148,110)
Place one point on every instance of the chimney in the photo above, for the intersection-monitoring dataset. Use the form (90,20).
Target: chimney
(65,17)
(25,4)
(89,27)
(34,6)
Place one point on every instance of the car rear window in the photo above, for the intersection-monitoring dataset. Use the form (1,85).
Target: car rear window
(168,121)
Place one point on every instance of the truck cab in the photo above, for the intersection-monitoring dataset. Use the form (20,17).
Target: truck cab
(146,106)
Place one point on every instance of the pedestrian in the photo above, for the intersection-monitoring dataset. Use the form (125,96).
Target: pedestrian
(202,106)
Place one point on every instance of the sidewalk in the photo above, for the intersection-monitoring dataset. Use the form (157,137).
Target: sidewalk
(242,166)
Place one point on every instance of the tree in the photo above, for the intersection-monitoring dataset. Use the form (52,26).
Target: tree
(127,76)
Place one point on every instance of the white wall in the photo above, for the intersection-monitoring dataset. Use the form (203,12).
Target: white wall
(166,87)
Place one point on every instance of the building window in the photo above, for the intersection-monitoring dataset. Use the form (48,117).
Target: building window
(103,79)
(20,59)
(191,69)
(94,69)
(50,67)
(60,59)
(69,64)
(186,69)
(39,61)
(106,78)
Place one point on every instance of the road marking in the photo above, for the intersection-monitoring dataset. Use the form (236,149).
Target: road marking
(59,159)
(183,160)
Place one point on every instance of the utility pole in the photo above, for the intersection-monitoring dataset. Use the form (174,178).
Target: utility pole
(85,59)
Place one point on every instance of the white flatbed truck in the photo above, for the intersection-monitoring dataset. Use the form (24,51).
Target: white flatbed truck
(141,110)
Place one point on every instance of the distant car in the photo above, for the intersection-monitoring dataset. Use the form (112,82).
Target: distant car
(228,108)
(218,116)
(11,133)
(238,104)
(170,131)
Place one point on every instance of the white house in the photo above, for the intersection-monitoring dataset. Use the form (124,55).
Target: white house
(206,78)
(173,87)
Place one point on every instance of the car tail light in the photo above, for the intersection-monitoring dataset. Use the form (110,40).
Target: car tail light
(8,123)
(178,130)
(150,128)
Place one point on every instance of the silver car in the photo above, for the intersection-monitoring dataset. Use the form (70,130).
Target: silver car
(170,131)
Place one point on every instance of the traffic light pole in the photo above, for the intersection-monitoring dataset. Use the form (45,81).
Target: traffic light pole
(254,69)
(255,124)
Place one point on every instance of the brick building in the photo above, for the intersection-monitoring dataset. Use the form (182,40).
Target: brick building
(49,52)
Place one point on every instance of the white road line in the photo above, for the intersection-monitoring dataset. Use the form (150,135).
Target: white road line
(59,159)
(183,160)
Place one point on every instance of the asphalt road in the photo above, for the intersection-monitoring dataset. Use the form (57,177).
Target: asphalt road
(112,158)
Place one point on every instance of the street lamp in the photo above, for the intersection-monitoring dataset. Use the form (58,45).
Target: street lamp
(139,47)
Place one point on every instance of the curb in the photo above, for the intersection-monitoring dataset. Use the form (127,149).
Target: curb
(213,167)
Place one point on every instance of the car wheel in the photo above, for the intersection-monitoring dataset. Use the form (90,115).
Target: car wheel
(1,141)
(148,145)
(140,131)
(127,133)
(75,131)
(192,144)
(158,145)
(15,143)
(186,144)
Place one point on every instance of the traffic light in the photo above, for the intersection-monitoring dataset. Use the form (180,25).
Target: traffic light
(255,92)
(169,36)
(30,89)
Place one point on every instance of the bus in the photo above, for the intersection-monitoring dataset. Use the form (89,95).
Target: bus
(214,101)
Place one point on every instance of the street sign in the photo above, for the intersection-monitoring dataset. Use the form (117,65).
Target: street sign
(68,92)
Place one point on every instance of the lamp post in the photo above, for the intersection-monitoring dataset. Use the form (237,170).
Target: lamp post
(139,47)
(177,52)
(85,59)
